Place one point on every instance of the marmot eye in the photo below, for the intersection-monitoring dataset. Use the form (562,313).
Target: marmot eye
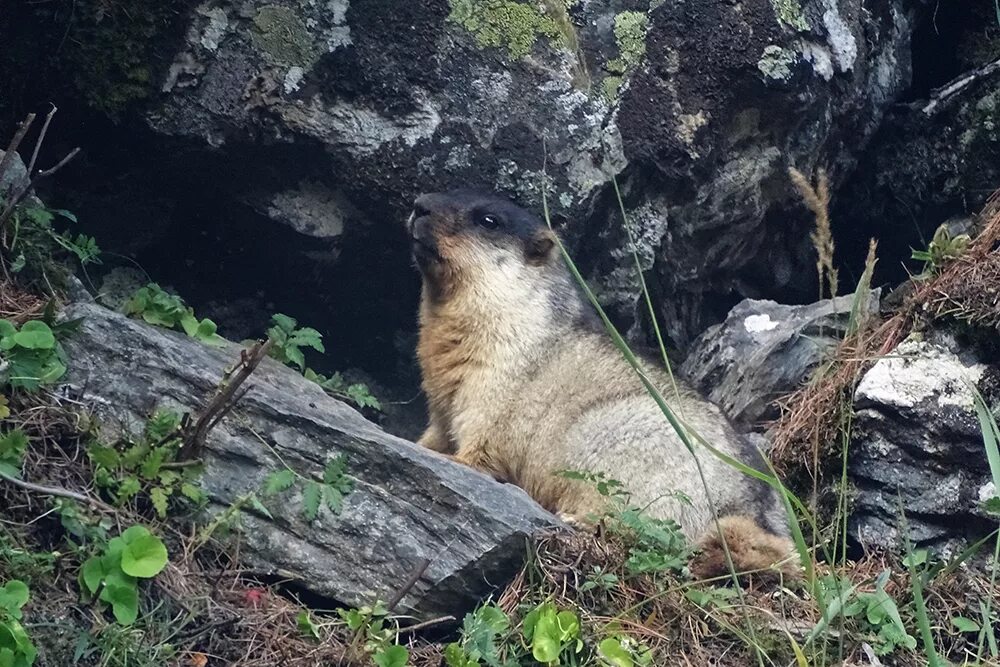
(488,221)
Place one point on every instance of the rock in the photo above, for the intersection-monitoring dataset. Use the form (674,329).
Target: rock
(15,174)
(764,350)
(917,445)
(347,110)
(407,504)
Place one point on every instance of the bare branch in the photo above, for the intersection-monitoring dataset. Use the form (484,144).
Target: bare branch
(8,157)
(40,140)
(57,492)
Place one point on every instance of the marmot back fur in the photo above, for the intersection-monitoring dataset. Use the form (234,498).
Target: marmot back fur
(522,382)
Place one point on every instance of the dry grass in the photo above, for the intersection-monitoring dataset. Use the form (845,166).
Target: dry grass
(808,432)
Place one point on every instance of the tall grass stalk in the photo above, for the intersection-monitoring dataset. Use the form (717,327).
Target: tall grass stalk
(991,442)
(675,423)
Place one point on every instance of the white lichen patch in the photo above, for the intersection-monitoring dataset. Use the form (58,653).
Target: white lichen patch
(987,491)
(292,79)
(777,63)
(759,323)
(820,57)
(918,371)
(842,43)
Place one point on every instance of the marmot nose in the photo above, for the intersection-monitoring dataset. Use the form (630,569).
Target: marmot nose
(428,204)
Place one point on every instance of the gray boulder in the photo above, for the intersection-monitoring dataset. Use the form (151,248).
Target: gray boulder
(764,350)
(917,447)
(348,110)
(408,504)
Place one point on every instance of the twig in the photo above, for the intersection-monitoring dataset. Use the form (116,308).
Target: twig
(58,492)
(8,157)
(418,572)
(223,401)
(426,624)
(41,139)
(30,185)
(941,96)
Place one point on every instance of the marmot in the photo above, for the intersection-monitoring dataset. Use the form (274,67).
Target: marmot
(522,382)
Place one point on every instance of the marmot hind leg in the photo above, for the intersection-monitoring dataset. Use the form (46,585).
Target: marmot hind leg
(751,548)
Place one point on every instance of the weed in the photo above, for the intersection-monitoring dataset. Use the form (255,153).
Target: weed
(36,248)
(483,633)
(147,466)
(13,445)
(656,545)
(289,341)
(552,633)
(370,625)
(160,308)
(16,649)
(113,575)
(942,249)
(329,492)
(33,354)
(817,199)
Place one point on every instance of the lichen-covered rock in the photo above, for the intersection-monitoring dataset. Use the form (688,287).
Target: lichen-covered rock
(407,504)
(351,108)
(764,350)
(917,447)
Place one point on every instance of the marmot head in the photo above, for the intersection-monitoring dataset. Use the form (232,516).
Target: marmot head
(467,239)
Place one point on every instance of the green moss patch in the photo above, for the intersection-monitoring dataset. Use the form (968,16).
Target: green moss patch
(282,35)
(514,26)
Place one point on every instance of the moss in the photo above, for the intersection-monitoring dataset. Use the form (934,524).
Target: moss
(109,52)
(282,35)
(790,13)
(511,25)
(630,36)
(777,63)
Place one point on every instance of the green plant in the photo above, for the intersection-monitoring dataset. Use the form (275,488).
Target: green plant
(147,465)
(599,579)
(329,492)
(942,249)
(880,614)
(16,649)
(370,625)
(36,246)
(655,545)
(288,344)
(158,307)
(289,340)
(33,354)
(482,632)
(13,445)
(356,393)
(113,576)
(621,650)
(552,633)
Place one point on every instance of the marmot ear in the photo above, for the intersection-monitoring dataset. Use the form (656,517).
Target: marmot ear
(540,246)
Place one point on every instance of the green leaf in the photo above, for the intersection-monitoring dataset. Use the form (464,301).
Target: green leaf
(124,601)
(307,337)
(35,335)
(92,573)
(14,595)
(285,323)
(295,356)
(305,625)
(992,506)
(963,624)
(612,651)
(192,492)
(144,555)
(333,499)
(151,466)
(259,506)
(392,656)
(279,481)
(918,557)
(158,496)
(7,329)
(106,457)
(310,500)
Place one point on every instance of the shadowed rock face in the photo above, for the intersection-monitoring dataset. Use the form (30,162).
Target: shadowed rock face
(408,504)
(297,134)
(917,447)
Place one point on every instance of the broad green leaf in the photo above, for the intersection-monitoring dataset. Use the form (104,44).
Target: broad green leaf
(144,555)
(611,650)
(92,573)
(392,656)
(14,595)
(35,335)
(124,601)
(306,626)
(284,322)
